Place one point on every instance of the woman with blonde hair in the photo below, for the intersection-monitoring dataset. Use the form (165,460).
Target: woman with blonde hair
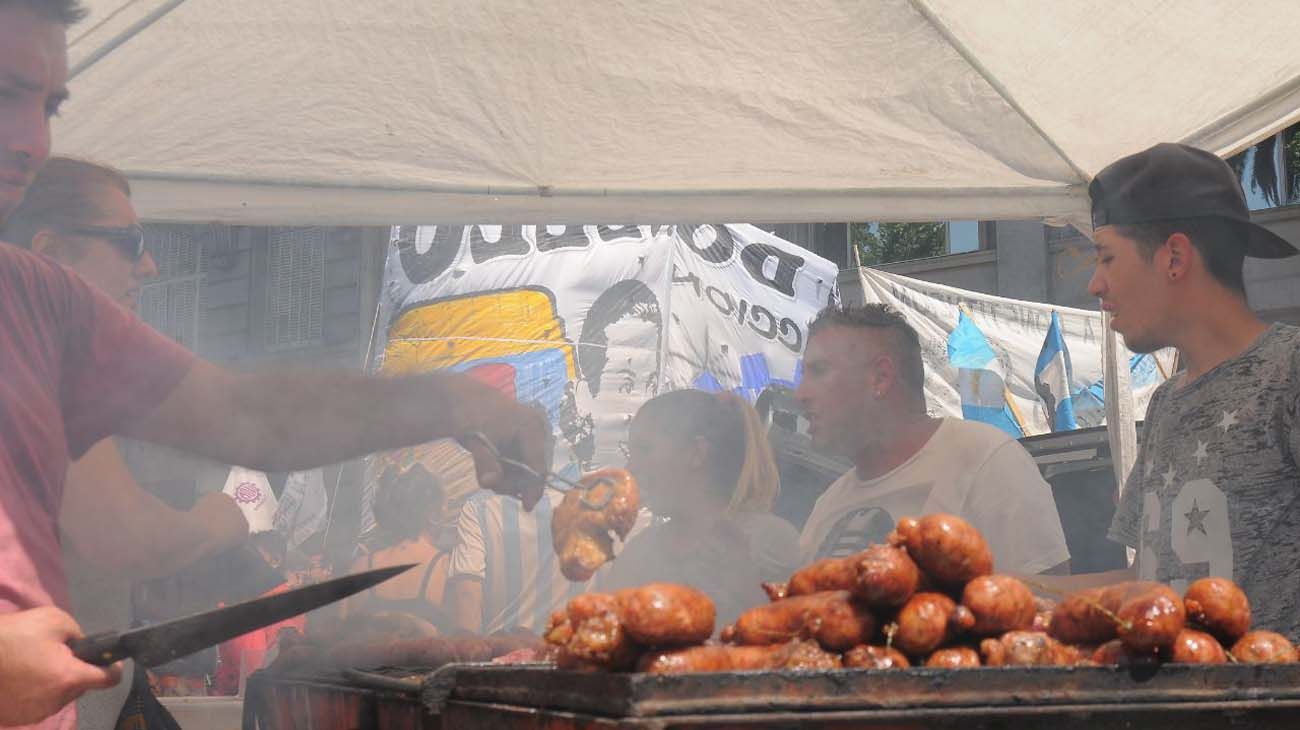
(705,468)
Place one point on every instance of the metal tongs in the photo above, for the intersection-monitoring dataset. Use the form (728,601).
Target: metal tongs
(550,478)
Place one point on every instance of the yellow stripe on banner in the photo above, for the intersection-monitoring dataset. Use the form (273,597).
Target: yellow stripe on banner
(488,325)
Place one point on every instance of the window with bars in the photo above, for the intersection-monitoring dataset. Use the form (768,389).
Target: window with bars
(173,303)
(295,288)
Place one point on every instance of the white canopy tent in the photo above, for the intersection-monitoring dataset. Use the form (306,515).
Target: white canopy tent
(538,111)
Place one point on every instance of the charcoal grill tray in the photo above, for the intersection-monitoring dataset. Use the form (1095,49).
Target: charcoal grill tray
(644,695)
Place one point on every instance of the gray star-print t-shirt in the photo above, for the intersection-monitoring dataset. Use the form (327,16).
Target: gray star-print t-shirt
(1215,489)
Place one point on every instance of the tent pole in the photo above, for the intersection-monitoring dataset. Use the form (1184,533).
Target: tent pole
(121,38)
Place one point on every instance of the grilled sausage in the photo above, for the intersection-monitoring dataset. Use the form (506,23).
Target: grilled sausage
(666,614)
(1218,606)
(1089,616)
(1027,648)
(827,574)
(885,576)
(954,657)
(1151,620)
(1114,652)
(1264,647)
(946,547)
(999,604)
(927,621)
(1196,647)
(832,618)
(776,591)
(724,658)
(868,656)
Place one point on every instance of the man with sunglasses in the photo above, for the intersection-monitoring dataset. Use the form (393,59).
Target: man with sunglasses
(114,532)
(76,367)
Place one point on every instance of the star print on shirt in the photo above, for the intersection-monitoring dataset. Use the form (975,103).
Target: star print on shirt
(1202,452)
(1196,519)
(1228,421)
(1169,477)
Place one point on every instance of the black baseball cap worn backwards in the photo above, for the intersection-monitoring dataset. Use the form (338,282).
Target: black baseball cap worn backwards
(1172,181)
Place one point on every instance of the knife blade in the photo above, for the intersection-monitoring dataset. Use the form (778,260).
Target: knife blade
(161,643)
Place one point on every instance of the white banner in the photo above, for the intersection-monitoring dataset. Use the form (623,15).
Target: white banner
(592,321)
(252,493)
(954,324)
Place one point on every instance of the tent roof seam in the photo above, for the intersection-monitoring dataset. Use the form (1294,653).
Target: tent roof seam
(965,53)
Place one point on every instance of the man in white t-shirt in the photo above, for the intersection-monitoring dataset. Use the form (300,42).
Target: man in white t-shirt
(862,395)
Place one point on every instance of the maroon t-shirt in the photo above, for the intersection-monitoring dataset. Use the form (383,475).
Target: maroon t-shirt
(74,366)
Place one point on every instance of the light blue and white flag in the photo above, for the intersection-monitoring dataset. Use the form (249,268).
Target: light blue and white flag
(980,379)
(1053,376)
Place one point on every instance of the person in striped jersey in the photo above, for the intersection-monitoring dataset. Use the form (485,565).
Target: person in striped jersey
(504,574)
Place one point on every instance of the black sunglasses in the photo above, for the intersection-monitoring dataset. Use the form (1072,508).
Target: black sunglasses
(129,240)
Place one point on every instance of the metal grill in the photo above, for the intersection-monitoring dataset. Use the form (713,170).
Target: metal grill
(295,288)
(173,303)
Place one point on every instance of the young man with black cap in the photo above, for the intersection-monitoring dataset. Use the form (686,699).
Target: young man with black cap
(1216,486)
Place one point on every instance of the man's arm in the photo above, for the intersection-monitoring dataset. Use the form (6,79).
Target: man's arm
(38,673)
(465,596)
(116,526)
(467,570)
(299,420)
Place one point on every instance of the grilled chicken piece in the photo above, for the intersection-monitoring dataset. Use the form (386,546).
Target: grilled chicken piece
(583,524)
(608,631)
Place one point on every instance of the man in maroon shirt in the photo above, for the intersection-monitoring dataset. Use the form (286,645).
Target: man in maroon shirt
(75,367)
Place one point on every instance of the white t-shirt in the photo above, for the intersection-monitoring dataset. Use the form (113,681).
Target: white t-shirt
(967,468)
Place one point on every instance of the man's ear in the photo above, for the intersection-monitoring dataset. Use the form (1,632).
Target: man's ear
(45,242)
(882,376)
(1180,253)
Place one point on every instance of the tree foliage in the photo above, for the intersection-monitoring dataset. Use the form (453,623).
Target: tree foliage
(890,242)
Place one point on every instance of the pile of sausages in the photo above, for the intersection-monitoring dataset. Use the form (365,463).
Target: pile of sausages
(927,597)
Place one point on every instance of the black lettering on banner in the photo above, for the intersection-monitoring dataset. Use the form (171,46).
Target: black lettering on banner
(565,237)
(757,311)
(422,267)
(742,308)
(690,278)
(717,250)
(726,306)
(510,242)
(755,255)
(616,234)
(787,327)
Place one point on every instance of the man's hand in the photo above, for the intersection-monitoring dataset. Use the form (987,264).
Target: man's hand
(517,432)
(38,673)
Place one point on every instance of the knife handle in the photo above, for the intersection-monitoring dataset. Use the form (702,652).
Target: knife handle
(100,649)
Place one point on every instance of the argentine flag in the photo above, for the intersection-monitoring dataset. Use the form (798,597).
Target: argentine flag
(980,379)
(1052,378)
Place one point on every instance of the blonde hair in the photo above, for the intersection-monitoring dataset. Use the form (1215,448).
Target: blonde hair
(759,482)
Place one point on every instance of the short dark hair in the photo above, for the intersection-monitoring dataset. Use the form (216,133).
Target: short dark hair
(64,192)
(406,501)
(63,12)
(904,341)
(1221,242)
